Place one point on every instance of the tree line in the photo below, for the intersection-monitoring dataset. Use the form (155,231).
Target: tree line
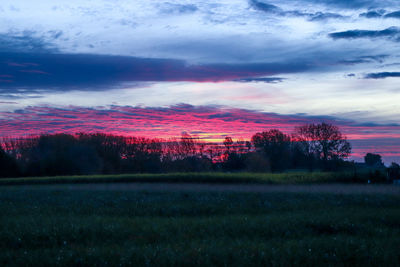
(312,146)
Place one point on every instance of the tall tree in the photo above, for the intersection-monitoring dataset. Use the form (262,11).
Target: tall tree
(324,141)
(373,160)
(276,147)
(8,164)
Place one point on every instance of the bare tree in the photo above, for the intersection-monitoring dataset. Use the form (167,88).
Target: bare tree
(188,145)
(323,141)
(228,143)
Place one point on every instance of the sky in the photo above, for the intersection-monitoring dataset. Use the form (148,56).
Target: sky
(208,68)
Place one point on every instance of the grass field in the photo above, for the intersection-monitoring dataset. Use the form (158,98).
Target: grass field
(213,177)
(56,226)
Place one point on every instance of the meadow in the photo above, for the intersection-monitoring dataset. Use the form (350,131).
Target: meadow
(57,226)
(202,177)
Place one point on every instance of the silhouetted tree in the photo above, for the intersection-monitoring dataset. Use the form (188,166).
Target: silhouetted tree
(393,172)
(228,143)
(59,154)
(276,147)
(109,148)
(187,145)
(83,153)
(248,146)
(373,160)
(323,141)
(8,165)
(394,165)
(298,157)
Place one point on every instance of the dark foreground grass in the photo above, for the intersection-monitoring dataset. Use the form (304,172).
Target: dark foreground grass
(199,177)
(47,227)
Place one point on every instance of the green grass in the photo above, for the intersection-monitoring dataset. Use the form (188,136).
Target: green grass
(49,227)
(215,177)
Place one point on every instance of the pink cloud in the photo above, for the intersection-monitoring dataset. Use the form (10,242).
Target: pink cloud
(207,122)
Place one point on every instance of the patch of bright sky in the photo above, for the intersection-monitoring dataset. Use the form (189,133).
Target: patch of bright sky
(333,95)
(222,32)
(144,28)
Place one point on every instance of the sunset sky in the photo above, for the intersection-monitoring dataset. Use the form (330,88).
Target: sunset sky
(208,68)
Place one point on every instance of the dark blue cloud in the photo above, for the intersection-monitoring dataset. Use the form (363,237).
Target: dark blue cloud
(345,4)
(372,14)
(33,72)
(380,14)
(382,75)
(350,4)
(393,15)
(272,9)
(354,34)
(353,61)
(319,16)
(264,80)
(265,7)
(364,59)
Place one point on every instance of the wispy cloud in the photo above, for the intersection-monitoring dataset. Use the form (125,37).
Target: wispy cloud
(382,75)
(173,8)
(211,121)
(264,80)
(350,4)
(275,10)
(27,41)
(391,32)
